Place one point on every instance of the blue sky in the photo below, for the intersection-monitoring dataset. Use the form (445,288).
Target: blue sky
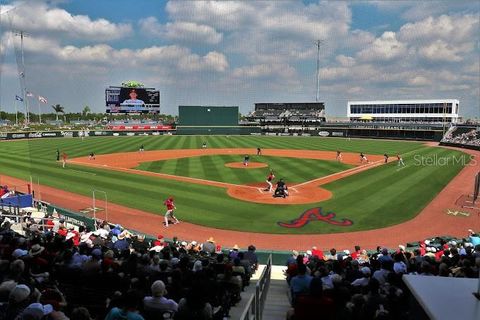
(242,52)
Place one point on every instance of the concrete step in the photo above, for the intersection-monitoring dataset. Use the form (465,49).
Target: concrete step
(277,304)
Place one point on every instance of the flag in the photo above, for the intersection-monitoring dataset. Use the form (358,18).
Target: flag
(29,94)
(18,98)
(42,99)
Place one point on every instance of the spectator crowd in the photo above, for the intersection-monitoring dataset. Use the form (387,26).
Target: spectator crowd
(53,270)
(465,137)
(362,285)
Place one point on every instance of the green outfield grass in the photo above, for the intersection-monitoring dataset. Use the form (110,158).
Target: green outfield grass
(213,168)
(375,198)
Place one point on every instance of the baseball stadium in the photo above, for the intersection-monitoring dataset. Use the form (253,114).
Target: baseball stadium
(214,210)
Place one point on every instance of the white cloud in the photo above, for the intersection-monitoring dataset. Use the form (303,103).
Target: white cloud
(226,15)
(387,47)
(214,61)
(439,50)
(269,31)
(454,29)
(265,71)
(190,32)
(345,61)
(419,81)
(37,18)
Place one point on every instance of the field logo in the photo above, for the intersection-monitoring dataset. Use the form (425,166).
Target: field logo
(315,214)
(324,133)
(457,213)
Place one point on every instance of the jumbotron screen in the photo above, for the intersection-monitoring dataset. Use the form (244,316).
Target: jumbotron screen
(132,100)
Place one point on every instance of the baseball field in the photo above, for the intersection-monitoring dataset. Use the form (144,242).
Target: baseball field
(209,192)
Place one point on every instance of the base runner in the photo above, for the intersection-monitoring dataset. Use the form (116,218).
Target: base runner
(400,161)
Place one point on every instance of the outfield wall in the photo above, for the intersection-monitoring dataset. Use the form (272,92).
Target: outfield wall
(428,135)
(207,116)
(78,133)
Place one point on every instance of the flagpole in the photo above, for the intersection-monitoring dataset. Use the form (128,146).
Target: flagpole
(16,112)
(39,112)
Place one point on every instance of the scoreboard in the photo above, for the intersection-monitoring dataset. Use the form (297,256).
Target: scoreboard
(122,100)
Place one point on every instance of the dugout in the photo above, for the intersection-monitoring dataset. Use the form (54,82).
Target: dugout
(211,120)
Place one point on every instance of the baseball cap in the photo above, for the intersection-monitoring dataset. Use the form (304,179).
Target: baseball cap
(37,311)
(18,253)
(19,293)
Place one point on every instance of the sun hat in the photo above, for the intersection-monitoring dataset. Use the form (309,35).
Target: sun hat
(36,250)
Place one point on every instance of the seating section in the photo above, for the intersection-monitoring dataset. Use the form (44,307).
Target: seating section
(463,135)
(368,285)
(111,271)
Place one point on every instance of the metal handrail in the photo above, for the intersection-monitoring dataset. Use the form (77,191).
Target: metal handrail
(254,308)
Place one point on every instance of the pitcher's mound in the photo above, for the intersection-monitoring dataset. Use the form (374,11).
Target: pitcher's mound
(251,165)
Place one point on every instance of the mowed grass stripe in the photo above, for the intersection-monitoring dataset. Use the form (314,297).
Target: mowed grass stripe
(291,169)
(211,206)
(211,168)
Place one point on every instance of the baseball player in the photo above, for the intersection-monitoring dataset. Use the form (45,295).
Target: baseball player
(363,158)
(385,156)
(64,159)
(339,155)
(142,148)
(400,161)
(259,151)
(170,208)
(91,156)
(246,160)
(269,180)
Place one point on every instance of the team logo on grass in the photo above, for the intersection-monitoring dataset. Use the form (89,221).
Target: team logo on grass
(315,214)
(458,213)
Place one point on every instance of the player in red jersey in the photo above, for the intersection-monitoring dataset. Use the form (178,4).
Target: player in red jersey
(169,214)
(64,159)
(269,180)
(339,156)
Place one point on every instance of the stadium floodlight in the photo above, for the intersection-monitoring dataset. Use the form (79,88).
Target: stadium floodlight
(318,43)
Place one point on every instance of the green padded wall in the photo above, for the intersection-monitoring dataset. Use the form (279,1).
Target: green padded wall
(207,116)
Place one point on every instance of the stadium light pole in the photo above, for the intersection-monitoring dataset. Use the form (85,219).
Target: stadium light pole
(318,44)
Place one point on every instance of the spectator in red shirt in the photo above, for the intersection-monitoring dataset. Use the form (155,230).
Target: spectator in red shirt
(314,305)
